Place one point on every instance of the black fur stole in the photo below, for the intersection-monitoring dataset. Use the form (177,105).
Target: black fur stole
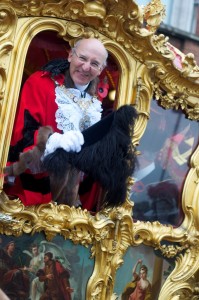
(107,155)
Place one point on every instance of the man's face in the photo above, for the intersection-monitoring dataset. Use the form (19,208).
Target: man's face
(86,61)
(46,258)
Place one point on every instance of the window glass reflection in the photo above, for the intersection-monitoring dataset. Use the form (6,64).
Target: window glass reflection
(165,151)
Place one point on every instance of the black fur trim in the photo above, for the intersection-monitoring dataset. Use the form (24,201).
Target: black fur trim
(30,126)
(97,131)
(39,185)
(56,66)
(110,160)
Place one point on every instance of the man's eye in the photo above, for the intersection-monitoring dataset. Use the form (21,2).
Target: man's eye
(95,65)
(82,58)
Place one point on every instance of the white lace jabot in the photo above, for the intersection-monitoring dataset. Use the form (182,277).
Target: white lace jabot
(74,112)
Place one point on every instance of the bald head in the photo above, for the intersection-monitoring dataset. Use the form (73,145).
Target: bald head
(94,45)
(3,296)
(87,60)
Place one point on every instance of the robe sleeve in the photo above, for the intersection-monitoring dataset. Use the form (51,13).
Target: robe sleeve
(36,108)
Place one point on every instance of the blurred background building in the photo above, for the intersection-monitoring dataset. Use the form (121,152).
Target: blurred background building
(181,24)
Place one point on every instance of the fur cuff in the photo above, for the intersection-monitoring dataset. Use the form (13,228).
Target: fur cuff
(31,159)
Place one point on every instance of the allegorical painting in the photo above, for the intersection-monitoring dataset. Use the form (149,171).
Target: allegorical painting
(32,268)
(142,274)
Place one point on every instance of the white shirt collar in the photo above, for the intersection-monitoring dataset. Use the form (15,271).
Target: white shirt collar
(81,88)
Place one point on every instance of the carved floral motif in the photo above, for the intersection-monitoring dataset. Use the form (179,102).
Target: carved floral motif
(129,32)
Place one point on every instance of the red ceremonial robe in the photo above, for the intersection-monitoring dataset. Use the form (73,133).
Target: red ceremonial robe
(37,108)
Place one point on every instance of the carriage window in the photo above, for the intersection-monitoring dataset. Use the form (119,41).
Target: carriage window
(165,150)
(46,47)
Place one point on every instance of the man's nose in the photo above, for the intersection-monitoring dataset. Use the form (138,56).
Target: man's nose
(86,66)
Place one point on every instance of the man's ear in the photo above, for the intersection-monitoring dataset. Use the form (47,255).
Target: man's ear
(70,55)
(102,70)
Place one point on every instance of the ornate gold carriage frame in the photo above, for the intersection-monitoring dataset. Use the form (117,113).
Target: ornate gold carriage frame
(146,68)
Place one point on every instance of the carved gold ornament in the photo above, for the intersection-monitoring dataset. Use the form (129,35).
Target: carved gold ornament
(149,66)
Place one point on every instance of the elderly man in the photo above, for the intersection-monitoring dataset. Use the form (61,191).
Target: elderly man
(63,95)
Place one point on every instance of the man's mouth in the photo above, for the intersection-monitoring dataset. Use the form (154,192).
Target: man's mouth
(86,75)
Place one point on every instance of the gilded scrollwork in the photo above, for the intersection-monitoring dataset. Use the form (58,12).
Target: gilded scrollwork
(7,21)
(7,27)
(112,231)
(2,82)
(193,112)
(154,13)
(186,267)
